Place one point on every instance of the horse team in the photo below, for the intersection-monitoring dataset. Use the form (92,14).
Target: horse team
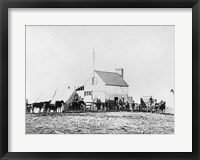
(156,108)
(46,106)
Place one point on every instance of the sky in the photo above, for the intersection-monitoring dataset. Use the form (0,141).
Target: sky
(58,58)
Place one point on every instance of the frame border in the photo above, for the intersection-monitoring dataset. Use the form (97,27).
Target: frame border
(6,4)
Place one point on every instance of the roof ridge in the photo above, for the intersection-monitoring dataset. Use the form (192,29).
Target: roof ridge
(106,71)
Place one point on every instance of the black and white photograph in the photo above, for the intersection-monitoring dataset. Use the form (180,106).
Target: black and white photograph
(100,79)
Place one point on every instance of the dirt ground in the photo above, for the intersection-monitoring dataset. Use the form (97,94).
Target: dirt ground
(100,123)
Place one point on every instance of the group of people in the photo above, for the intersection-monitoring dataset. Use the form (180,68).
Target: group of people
(112,105)
(122,105)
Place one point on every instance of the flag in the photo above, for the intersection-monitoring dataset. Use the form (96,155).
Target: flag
(172,91)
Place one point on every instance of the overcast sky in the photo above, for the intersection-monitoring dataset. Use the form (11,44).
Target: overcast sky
(61,56)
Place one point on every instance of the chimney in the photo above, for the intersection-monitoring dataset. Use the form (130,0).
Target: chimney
(120,71)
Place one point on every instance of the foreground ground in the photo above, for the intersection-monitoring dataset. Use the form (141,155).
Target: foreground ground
(100,123)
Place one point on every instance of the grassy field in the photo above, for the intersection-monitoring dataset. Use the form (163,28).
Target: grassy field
(100,123)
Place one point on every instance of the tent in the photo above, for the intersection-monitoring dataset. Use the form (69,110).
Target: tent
(73,97)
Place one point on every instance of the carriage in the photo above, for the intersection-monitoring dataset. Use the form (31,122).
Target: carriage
(149,104)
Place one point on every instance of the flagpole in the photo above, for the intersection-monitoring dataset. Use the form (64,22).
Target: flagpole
(93,63)
(93,75)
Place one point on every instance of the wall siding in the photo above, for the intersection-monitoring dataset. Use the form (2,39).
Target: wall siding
(116,91)
(98,89)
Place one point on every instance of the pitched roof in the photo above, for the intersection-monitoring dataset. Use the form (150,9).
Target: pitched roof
(111,78)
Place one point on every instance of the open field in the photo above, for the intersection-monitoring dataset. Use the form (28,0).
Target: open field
(100,123)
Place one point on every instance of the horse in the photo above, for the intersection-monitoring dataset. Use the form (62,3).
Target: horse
(160,107)
(48,107)
(39,105)
(58,105)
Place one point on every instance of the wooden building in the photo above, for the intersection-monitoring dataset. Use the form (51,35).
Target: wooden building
(104,85)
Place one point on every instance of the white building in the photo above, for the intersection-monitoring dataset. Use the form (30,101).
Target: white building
(104,85)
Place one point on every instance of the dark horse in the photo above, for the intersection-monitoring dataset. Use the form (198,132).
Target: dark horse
(37,105)
(58,105)
(48,106)
(53,107)
(160,107)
